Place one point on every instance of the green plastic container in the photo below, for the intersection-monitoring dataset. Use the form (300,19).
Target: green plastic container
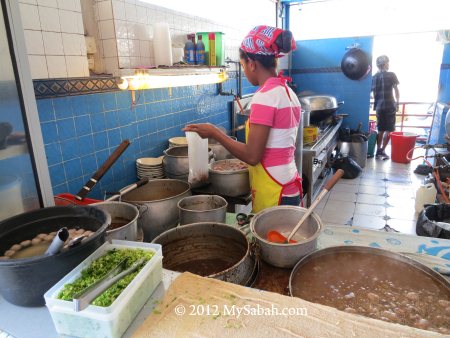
(220,47)
(372,141)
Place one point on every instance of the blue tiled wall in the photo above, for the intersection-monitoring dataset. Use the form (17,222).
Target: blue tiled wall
(444,79)
(317,63)
(80,132)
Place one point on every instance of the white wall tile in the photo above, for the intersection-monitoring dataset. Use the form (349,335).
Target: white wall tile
(76,66)
(31,2)
(33,42)
(132,30)
(121,27)
(118,9)
(106,29)
(134,48)
(141,32)
(74,44)
(122,47)
(68,20)
(78,5)
(111,65)
(49,19)
(141,14)
(38,66)
(135,62)
(56,66)
(124,62)
(30,16)
(130,12)
(105,10)
(70,5)
(144,48)
(48,3)
(53,44)
(79,22)
(109,48)
(130,1)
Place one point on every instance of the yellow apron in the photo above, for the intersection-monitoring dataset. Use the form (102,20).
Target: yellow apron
(266,191)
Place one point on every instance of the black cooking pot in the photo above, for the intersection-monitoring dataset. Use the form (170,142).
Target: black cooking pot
(24,281)
(355,64)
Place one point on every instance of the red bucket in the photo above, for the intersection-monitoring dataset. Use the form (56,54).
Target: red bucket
(402,143)
(69,199)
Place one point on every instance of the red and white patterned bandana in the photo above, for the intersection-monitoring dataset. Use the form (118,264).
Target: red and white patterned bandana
(261,40)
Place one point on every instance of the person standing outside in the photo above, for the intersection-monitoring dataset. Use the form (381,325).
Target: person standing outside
(384,85)
(271,130)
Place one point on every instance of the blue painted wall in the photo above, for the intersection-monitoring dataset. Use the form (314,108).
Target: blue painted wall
(80,132)
(316,67)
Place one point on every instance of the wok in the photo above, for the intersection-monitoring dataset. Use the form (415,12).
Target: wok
(355,64)
(319,106)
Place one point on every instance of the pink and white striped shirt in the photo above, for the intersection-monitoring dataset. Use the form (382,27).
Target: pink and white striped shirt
(272,106)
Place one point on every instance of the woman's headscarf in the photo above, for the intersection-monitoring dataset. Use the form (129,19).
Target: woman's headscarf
(261,40)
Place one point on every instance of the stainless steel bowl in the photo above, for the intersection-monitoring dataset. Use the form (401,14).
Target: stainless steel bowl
(159,202)
(283,219)
(318,102)
(229,183)
(219,151)
(202,208)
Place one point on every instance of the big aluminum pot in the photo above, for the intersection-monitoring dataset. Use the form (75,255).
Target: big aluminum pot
(176,161)
(229,183)
(208,249)
(283,219)
(319,107)
(219,151)
(121,212)
(202,208)
(158,200)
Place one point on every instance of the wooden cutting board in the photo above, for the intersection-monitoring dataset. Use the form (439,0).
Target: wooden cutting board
(198,294)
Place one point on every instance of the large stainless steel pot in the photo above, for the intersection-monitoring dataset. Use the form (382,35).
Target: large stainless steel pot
(176,161)
(319,106)
(159,201)
(283,219)
(229,183)
(208,249)
(219,151)
(202,208)
(120,212)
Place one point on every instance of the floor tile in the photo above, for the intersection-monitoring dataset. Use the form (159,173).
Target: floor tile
(403,226)
(370,210)
(371,199)
(401,213)
(400,201)
(339,218)
(354,181)
(342,196)
(368,222)
(373,182)
(343,187)
(405,193)
(368,189)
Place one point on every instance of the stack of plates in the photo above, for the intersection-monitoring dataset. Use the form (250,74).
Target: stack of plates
(151,167)
(177,141)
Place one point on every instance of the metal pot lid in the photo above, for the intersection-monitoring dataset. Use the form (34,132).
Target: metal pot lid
(318,102)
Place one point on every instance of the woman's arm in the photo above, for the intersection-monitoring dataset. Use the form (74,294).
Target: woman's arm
(250,152)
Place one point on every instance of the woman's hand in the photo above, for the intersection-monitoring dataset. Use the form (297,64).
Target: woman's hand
(204,130)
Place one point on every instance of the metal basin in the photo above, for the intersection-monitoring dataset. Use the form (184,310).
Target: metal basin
(229,183)
(208,249)
(124,213)
(202,208)
(283,219)
(158,200)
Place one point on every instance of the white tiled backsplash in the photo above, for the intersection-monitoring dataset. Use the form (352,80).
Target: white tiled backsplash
(54,37)
(55,40)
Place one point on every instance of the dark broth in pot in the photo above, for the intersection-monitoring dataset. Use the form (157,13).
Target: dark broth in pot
(375,286)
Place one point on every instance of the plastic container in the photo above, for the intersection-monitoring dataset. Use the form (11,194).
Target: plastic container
(402,143)
(189,50)
(219,47)
(11,196)
(425,194)
(371,143)
(162,44)
(112,321)
(200,51)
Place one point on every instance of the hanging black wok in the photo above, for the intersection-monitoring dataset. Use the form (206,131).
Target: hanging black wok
(355,64)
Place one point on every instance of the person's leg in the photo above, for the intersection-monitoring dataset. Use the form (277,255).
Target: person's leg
(386,140)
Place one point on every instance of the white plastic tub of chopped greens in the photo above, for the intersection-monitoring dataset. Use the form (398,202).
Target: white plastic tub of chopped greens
(110,314)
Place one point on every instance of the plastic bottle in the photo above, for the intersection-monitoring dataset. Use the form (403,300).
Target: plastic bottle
(200,51)
(189,50)
(212,49)
(426,194)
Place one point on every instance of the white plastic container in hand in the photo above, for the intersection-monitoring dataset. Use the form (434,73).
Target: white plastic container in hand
(426,194)
(111,321)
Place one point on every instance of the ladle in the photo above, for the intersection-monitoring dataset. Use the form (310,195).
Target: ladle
(276,237)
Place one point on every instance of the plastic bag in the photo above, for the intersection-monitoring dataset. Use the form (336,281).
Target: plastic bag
(198,159)
(350,167)
(433,221)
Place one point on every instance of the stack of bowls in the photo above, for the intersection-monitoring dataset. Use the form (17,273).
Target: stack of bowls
(151,167)
(177,142)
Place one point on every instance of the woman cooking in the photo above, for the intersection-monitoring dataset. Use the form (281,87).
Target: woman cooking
(271,130)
